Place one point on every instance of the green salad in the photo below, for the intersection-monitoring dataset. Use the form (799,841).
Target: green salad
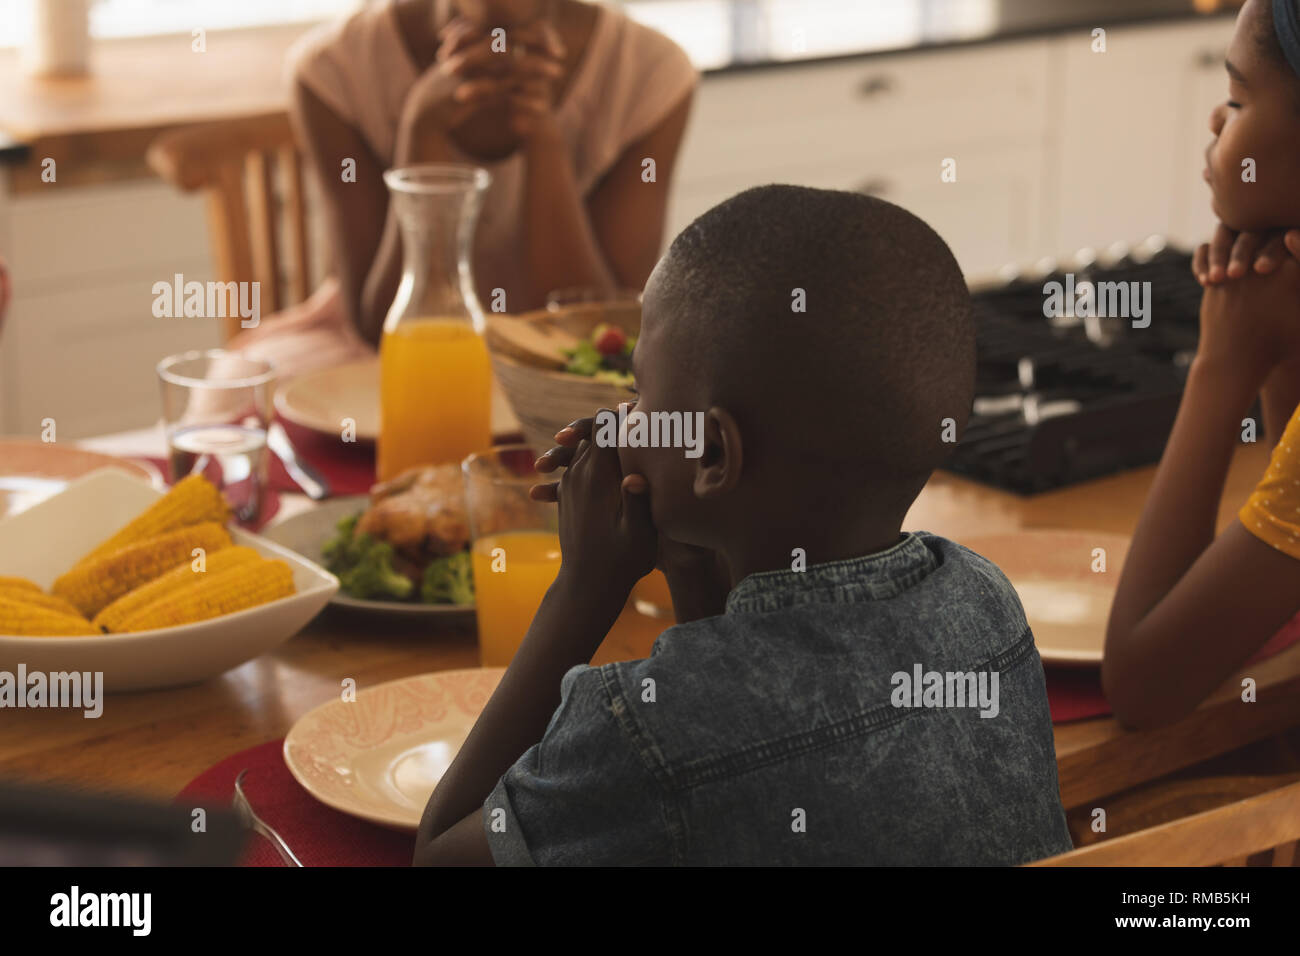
(366,569)
(606,356)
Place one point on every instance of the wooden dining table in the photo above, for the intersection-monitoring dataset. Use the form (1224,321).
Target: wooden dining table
(154,743)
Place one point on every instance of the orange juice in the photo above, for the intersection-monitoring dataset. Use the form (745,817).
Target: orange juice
(508,597)
(435,394)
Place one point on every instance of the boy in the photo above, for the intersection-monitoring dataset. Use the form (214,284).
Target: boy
(860,696)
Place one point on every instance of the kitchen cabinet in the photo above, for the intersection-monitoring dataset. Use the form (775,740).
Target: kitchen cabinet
(81,341)
(884,126)
(1056,148)
(1131,131)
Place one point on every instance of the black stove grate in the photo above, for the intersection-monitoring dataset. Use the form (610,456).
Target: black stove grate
(1062,400)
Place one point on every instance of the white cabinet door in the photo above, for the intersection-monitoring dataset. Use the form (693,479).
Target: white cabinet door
(990,216)
(81,340)
(883,126)
(1126,130)
(1205,86)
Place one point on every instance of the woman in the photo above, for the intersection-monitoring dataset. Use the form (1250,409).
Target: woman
(563,118)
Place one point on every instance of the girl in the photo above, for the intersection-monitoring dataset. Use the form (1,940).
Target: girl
(563,120)
(1191,608)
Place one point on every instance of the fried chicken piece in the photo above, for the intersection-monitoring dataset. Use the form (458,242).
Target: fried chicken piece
(420,512)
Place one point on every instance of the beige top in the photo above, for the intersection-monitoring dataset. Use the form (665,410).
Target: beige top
(628,80)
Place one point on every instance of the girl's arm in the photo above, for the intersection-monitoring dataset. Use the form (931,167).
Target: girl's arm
(1192,608)
(1279,397)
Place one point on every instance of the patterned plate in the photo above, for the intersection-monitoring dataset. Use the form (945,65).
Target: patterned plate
(379,757)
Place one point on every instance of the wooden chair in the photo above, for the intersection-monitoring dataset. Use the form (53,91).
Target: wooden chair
(238,164)
(1267,825)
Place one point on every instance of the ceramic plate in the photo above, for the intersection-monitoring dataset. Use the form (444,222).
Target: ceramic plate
(31,471)
(320,400)
(379,757)
(47,539)
(1066,601)
(307,532)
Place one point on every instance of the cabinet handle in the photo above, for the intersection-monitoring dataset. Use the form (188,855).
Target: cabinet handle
(878,187)
(876,85)
(1210,59)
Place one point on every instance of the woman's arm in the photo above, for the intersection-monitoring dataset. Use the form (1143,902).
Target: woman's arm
(355,210)
(1190,608)
(612,240)
(366,240)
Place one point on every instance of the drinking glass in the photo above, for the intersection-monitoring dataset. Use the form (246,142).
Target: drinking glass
(216,407)
(515,552)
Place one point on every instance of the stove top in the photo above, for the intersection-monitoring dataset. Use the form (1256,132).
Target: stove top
(1079,370)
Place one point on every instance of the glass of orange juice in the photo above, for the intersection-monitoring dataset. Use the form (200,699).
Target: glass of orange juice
(515,549)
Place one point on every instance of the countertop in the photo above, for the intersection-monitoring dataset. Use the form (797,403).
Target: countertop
(722,35)
(242,71)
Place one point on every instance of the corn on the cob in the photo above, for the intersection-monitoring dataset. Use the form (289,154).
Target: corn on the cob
(95,585)
(30,620)
(237,588)
(192,500)
(178,578)
(8,583)
(51,602)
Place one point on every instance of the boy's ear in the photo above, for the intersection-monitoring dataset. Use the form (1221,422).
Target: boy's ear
(718,469)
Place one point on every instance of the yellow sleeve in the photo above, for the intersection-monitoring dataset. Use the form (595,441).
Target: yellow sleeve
(1272,513)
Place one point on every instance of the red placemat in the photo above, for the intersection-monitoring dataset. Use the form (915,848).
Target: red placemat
(348,467)
(318,835)
(1074,693)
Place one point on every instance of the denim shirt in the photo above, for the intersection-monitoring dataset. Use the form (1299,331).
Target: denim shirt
(793,729)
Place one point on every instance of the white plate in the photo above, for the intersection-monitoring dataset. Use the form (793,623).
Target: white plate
(48,538)
(380,756)
(31,470)
(306,533)
(1066,602)
(320,400)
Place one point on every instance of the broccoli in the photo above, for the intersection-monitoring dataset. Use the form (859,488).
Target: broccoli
(373,575)
(448,580)
(338,550)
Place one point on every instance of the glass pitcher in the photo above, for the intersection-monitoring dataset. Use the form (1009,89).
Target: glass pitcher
(435,376)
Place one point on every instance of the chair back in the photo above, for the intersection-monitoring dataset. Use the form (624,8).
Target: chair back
(1267,826)
(250,170)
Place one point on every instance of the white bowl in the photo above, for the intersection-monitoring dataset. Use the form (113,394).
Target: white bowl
(45,540)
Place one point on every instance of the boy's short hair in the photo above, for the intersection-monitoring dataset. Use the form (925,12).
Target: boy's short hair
(836,324)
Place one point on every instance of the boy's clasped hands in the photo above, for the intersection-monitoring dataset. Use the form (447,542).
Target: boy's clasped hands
(608,540)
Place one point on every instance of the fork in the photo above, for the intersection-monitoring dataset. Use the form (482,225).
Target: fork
(255,823)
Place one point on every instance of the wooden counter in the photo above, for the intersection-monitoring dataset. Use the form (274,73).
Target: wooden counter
(97,127)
